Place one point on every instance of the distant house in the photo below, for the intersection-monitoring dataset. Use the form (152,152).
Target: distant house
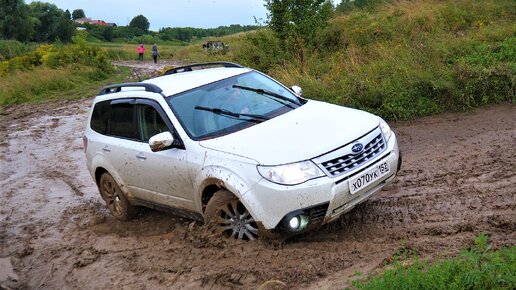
(93,22)
(83,20)
(98,22)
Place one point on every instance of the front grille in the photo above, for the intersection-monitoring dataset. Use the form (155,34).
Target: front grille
(343,164)
(317,213)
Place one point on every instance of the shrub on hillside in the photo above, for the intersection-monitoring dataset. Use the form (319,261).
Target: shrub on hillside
(259,49)
(12,48)
(56,55)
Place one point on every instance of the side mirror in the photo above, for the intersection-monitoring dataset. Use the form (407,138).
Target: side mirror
(297,90)
(161,141)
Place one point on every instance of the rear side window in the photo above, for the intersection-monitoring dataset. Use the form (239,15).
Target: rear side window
(122,121)
(99,118)
(137,120)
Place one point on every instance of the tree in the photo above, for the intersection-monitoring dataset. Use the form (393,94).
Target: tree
(107,33)
(67,14)
(140,22)
(51,23)
(66,28)
(15,20)
(296,22)
(184,34)
(78,13)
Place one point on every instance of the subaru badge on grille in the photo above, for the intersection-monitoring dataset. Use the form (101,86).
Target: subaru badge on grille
(357,148)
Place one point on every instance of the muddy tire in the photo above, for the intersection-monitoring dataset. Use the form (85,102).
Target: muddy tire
(115,199)
(227,216)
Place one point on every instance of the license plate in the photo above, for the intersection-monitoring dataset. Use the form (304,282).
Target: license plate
(370,176)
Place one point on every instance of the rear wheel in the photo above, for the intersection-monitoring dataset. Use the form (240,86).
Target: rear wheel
(226,215)
(115,199)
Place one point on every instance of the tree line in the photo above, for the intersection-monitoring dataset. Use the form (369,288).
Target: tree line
(295,22)
(45,22)
(184,34)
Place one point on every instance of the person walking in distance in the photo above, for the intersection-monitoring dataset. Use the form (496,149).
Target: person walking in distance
(140,50)
(155,53)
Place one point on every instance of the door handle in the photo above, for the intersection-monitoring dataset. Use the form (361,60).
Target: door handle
(106,149)
(141,156)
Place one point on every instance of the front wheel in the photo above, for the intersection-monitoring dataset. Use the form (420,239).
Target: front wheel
(228,216)
(115,200)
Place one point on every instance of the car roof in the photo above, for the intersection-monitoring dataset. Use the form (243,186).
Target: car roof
(184,81)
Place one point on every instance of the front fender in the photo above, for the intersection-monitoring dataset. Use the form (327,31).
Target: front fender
(222,177)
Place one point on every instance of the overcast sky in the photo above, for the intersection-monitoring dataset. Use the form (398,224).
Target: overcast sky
(170,13)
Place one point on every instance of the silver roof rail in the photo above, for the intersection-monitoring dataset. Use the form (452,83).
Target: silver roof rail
(118,87)
(209,64)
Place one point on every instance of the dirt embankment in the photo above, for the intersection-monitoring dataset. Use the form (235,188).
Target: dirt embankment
(458,180)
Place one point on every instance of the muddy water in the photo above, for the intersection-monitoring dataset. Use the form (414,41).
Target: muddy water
(458,180)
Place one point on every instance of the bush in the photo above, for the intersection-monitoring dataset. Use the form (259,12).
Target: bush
(259,49)
(12,48)
(57,55)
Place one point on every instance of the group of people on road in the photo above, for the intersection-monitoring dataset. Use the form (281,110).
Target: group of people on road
(141,51)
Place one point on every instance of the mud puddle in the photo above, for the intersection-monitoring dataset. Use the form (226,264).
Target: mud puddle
(457,180)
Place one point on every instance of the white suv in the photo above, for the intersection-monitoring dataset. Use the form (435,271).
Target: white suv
(234,147)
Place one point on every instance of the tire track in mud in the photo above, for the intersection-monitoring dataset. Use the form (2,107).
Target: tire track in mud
(69,180)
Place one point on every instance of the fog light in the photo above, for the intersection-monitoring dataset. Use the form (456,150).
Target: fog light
(298,222)
(294,223)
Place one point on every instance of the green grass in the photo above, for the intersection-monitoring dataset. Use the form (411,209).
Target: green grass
(399,59)
(45,84)
(476,268)
(127,51)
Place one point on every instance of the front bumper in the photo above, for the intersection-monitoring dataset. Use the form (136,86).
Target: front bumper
(270,203)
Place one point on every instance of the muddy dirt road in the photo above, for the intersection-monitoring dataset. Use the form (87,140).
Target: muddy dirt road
(146,69)
(458,180)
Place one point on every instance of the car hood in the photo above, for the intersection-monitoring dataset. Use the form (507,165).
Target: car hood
(304,133)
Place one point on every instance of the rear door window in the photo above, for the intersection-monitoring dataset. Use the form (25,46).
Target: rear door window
(122,121)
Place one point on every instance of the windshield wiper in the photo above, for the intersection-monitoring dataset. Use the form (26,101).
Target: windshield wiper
(248,117)
(268,93)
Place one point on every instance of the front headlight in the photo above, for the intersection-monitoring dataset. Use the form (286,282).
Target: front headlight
(386,130)
(290,174)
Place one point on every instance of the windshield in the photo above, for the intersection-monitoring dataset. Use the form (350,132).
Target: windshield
(230,105)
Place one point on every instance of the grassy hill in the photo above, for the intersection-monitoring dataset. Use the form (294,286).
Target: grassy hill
(400,59)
